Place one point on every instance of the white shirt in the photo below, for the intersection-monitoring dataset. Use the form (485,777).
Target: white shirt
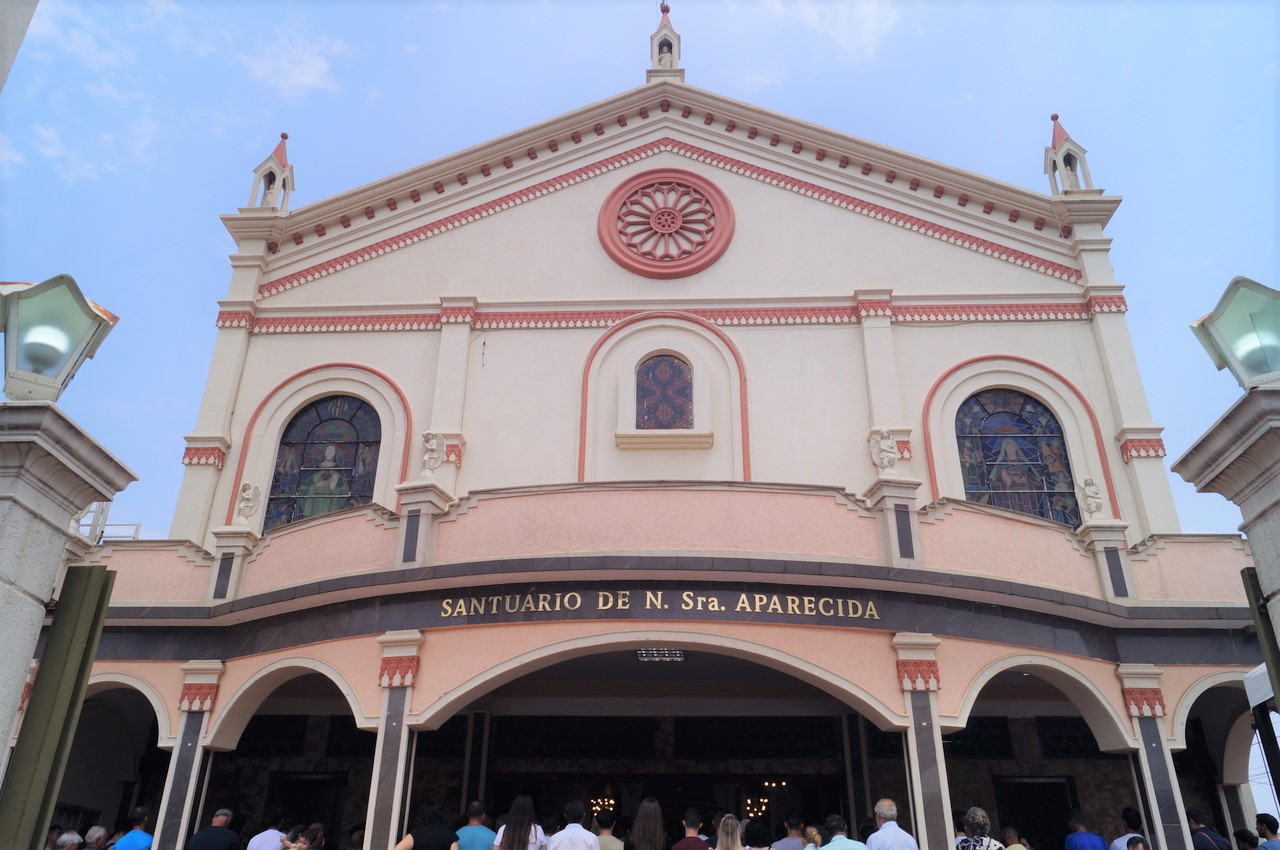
(890,836)
(268,839)
(1122,842)
(574,837)
(537,838)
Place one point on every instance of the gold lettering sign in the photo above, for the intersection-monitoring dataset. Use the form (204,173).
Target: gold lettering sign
(725,604)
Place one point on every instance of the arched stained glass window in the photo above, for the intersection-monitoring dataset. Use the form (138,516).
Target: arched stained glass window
(664,393)
(327,460)
(1013,456)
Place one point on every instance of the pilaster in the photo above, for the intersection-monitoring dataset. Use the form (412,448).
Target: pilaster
(195,701)
(1144,702)
(1105,540)
(920,678)
(234,544)
(874,310)
(893,498)
(396,674)
(457,316)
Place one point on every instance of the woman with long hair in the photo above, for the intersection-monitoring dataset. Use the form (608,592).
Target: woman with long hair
(730,835)
(647,832)
(521,831)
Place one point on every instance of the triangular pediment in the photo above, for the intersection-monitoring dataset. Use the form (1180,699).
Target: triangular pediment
(671,123)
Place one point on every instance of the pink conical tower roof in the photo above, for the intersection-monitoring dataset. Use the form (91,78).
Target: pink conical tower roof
(1059,132)
(281,155)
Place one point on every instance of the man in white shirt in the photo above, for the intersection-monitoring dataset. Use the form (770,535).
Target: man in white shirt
(573,836)
(269,838)
(888,835)
(1133,823)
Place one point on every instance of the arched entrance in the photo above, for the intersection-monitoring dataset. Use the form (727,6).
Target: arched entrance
(1212,767)
(115,762)
(693,725)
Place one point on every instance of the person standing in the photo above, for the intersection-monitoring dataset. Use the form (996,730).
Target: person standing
(794,840)
(692,825)
(1133,823)
(838,830)
(729,833)
(1203,836)
(977,832)
(605,819)
(137,838)
(521,829)
(647,833)
(215,836)
(1012,837)
(431,833)
(1268,831)
(1079,837)
(476,835)
(888,835)
(574,836)
(269,838)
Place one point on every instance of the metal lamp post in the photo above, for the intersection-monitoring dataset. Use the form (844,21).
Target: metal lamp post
(50,470)
(1239,458)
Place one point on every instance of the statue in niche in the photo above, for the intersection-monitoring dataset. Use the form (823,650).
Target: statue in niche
(432,453)
(1092,497)
(247,503)
(884,449)
(665,59)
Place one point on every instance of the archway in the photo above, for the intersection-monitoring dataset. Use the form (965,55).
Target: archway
(115,762)
(1212,767)
(693,726)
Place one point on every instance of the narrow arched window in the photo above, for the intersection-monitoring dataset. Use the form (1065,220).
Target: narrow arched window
(1013,456)
(327,460)
(664,393)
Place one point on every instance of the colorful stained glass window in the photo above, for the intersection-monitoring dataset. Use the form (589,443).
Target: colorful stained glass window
(664,393)
(1013,456)
(327,460)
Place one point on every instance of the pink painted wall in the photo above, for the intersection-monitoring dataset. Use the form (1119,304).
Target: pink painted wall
(156,575)
(1196,569)
(640,521)
(1005,548)
(351,544)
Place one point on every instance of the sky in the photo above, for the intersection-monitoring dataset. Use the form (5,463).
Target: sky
(127,128)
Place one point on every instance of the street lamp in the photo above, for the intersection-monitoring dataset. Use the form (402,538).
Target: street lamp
(50,470)
(49,329)
(1243,332)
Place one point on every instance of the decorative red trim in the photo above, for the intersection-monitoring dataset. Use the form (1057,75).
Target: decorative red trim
(1107,304)
(668,145)
(919,674)
(1142,448)
(329,324)
(397,671)
(27,687)
(1084,403)
(234,319)
(744,420)
(453,454)
(391,202)
(620,221)
(904,449)
(257,411)
(345,220)
(204,456)
(990,312)
(197,696)
(867,309)
(1144,702)
(457,315)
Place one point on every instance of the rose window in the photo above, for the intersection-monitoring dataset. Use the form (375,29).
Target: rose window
(666,224)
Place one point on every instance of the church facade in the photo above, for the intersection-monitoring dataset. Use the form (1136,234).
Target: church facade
(673,447)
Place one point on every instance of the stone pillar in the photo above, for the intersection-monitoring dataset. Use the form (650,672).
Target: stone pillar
(50,471)
(421,501)
(449,396)
(173,823)
(398,669)
(234,544)
(920,679)
(1105,540)
(893,498)
(9,744)
(1144,701)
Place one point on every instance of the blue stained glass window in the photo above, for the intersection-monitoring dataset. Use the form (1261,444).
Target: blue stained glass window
(327,461)
(664,393)
(1013,456)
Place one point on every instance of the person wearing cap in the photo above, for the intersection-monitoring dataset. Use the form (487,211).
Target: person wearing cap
(216,836)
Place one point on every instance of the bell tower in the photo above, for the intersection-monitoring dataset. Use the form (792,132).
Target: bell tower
(664,51)
(273,179)
(1064,163)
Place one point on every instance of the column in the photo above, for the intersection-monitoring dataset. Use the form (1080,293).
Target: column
(173,823)
(449,396)
(50,471)
(234,544)
(23,701)
(398,669)
(477,758)
(1144,701)
(1105,540)
(920,678)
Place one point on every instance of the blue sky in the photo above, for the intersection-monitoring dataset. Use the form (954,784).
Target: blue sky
(127,128)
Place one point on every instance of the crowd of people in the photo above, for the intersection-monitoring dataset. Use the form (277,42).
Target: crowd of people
(581,828)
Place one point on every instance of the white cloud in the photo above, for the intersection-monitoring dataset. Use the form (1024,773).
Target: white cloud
(857,28)
(77,34)
(9,156)
(72,167)
(296,66)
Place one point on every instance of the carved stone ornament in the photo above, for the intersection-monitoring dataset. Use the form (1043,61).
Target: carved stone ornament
(1092,493)
(884,449)
(247,503)
(432,452)
(666,223)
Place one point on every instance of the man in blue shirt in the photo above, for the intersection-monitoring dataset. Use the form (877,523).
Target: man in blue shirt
(1268,827)
(1079,837)
(888,835)
(137,838)
(839,839)
(476,835)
